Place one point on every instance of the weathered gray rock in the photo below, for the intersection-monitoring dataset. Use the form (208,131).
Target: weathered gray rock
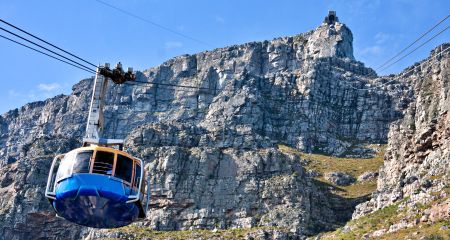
(367,176)
(379,233)
(339,178)
(331,40)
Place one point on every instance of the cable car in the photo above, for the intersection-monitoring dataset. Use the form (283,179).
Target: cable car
(98,185)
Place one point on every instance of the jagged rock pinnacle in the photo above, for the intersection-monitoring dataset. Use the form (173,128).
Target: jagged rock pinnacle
(331,39)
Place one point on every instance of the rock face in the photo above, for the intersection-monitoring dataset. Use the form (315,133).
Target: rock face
(417,161)
(210,151)
(30,138)
(204,187)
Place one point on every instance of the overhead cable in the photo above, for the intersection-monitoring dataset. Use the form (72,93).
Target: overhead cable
(359,89)
(36,44)
(40,39)
(437,34)
(404,73)
(81,66)
(85,69)
(175,85)
(411,44)
(132,83)
(154,23)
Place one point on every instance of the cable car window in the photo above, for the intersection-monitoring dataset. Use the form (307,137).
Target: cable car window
(103,163)
(65,168)
(124,168)
(51,184)
(137,175)
(82,160)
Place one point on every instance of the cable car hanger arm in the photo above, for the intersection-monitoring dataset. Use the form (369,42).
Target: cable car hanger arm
(95,123)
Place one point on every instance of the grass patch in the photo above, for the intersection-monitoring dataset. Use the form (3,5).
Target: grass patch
(380,219)
(138,232)
(359,189)
(384,218)
(323,163)
(352,166)
(436,177)
(423,231)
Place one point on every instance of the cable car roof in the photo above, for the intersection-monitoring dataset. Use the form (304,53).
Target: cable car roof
(105,149)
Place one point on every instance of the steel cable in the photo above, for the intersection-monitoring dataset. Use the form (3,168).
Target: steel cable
(40,39)
(36,44)
(404,49)
(87,70)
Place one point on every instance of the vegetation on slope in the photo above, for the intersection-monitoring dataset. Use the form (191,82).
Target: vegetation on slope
(314,162)
(402,220)
(137,232)
(352,166)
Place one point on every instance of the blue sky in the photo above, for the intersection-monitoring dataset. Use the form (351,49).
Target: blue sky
(101,34)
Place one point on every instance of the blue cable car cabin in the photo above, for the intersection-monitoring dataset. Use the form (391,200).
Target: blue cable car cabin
(96,186)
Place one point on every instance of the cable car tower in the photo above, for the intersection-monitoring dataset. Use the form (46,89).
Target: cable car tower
(99,185)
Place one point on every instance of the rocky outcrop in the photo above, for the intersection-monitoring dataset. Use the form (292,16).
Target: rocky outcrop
(367,176)
(417,161)
(339,178)
(224,188)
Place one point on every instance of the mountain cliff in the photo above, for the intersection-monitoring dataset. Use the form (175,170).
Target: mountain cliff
(216,154)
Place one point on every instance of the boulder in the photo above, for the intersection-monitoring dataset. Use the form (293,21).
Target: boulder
(339,178)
